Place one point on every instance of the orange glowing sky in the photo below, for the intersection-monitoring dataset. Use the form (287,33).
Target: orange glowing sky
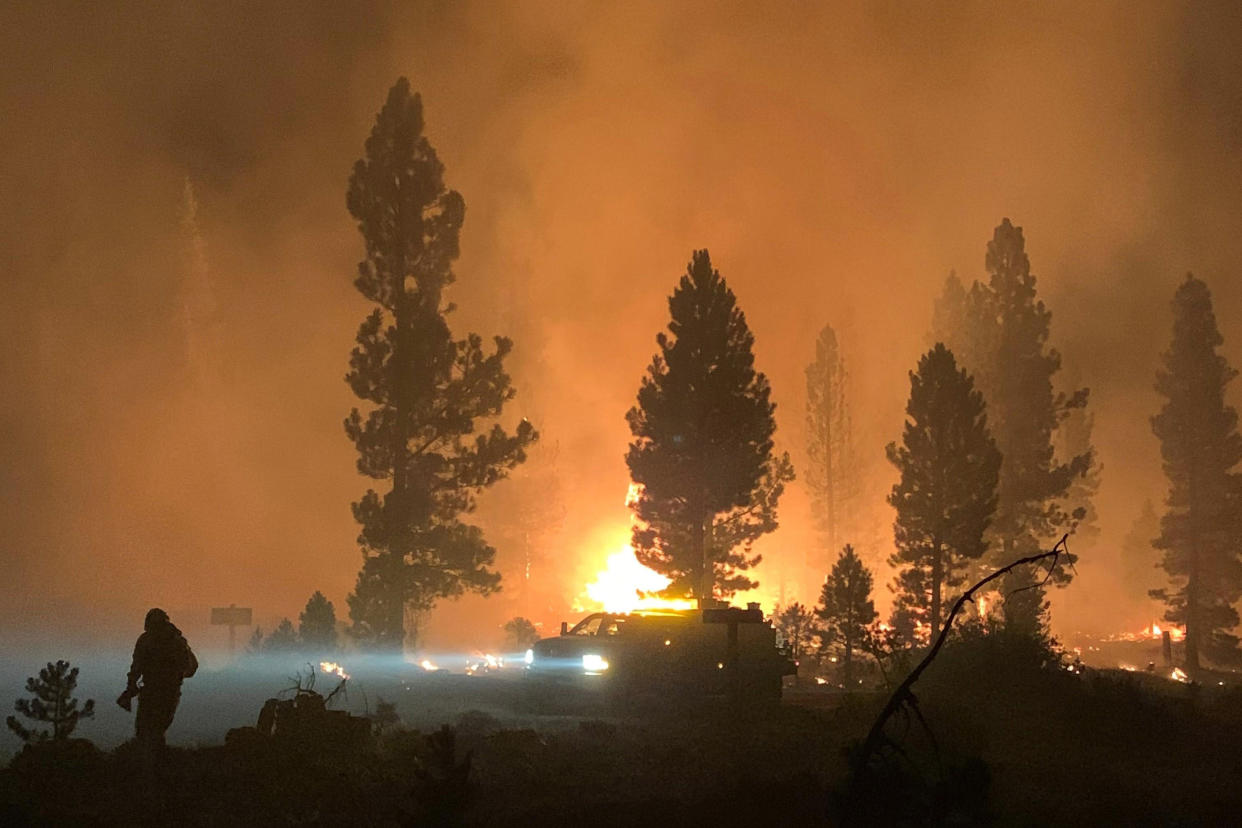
(838,163)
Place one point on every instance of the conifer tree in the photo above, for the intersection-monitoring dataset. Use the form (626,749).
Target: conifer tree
(1140,560)
(1201,530)
(283,639)
(702,450)
(999,331)
(845,607)
(831,470)
(255,645)
(798,627)
(317,624)
(960,319)
(52,703)
(1073,439)
(425,389)
(946,496)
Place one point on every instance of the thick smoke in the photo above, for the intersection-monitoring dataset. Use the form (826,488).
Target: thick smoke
(172,430)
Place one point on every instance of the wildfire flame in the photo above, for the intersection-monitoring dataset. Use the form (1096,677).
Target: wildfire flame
(1174,633)
(1153,632)
(483,663)
(1179,674)
(334,669)
(631,495)
(625,585)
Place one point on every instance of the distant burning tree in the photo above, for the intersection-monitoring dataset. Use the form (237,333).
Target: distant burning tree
(52,703)
(424,389)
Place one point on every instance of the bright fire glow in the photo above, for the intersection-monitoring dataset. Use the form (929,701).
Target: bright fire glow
(631,496)
(1153,632)
(1156,631)
(1179,674)
(332,668)
(484,663)
(1174,633)
(428,666)
(625,585)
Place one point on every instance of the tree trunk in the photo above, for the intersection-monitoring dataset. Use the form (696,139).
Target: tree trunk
(706,576)
(830,492)
(1192,606)
(1192,584)
(399,496)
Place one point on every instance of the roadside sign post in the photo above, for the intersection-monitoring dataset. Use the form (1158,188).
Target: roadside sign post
(232,617)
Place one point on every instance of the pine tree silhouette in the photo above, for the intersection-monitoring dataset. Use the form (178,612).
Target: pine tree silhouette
(52,702)
(1201,529)
(425,390)
(702,450)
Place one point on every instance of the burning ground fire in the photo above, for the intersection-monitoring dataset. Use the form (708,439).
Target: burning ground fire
(1154,632)
(1130,650)
(333,669)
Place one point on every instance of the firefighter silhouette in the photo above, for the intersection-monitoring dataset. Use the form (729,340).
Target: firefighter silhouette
(162,660)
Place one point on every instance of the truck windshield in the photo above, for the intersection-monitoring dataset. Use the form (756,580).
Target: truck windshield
(598,624)
(588,625)
(612,626)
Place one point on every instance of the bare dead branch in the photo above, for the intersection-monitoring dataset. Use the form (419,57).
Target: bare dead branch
(902,696)
(340,688)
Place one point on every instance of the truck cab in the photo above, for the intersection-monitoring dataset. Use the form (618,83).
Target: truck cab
(662,655)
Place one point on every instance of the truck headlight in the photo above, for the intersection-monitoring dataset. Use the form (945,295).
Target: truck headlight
(592,663)
(529,658)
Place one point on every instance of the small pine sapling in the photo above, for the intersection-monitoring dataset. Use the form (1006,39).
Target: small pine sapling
(52,702)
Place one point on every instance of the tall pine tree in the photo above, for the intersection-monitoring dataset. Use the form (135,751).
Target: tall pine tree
(702,450)
(1201,530)
(946,496)
(425,389)
(831,472)
(846,608)
(1000,332)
